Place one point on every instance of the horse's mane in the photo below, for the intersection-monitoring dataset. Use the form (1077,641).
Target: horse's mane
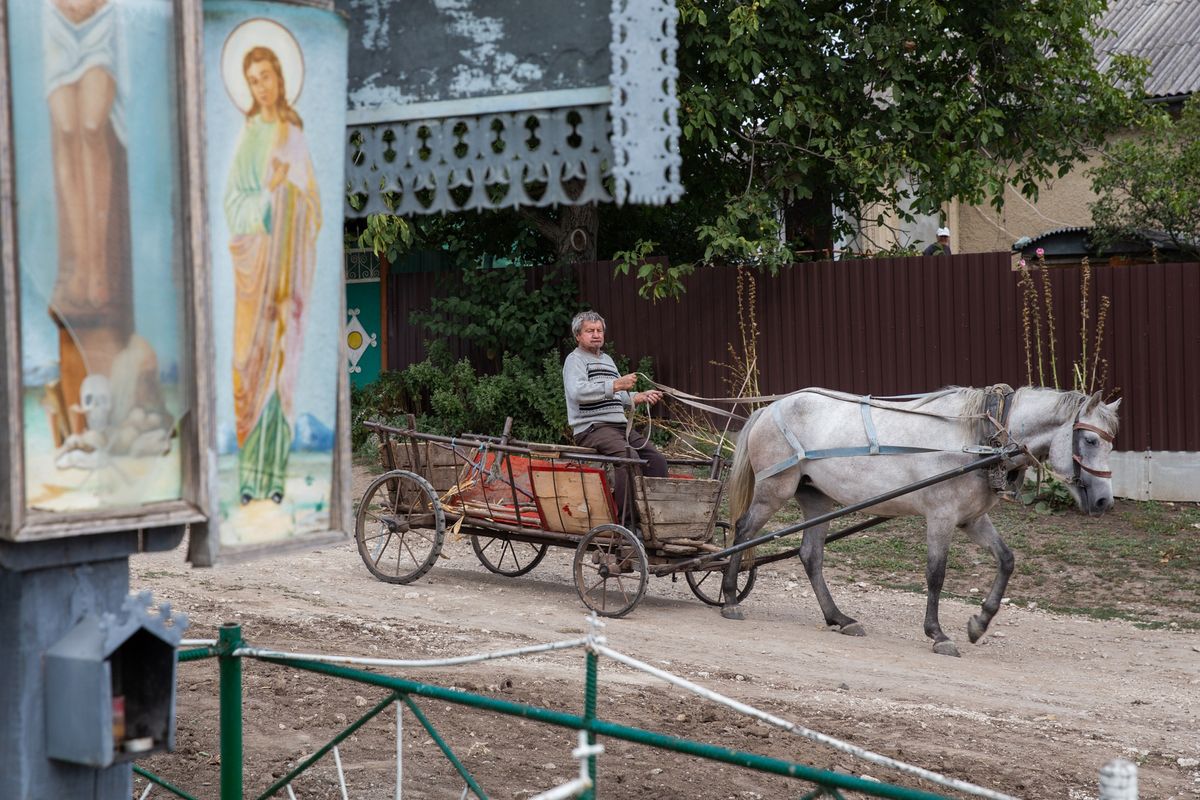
(1067,404)
(969,404)
(1071,402)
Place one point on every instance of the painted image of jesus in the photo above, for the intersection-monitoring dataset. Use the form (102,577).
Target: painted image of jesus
(272,207)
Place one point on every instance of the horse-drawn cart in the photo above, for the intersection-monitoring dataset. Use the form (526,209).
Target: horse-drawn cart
(516,499)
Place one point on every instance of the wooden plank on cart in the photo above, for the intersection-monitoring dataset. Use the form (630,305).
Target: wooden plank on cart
(434,462)
(572,499)
(679,508)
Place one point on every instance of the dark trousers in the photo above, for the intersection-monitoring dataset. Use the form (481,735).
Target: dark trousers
(608,438)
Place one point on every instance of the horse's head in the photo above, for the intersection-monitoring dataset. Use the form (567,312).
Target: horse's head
(1079,453)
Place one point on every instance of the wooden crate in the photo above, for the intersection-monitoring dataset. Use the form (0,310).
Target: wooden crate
(678,508)
(434,462)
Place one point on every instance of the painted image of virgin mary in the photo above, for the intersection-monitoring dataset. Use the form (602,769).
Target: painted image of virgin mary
(272,206)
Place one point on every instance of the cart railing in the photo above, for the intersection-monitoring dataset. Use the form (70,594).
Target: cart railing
(554,493)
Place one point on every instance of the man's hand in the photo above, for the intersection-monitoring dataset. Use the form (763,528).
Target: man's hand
(651,397)
(625,382)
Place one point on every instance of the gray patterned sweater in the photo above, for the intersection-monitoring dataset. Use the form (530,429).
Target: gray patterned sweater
(588,385)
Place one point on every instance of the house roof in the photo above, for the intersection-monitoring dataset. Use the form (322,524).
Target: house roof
(1167,32)
(1071,244)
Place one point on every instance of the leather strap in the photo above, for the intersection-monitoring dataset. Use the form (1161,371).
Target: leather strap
(1099,473)
(1103,434)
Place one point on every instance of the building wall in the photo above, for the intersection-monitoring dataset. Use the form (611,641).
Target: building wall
(1062,203)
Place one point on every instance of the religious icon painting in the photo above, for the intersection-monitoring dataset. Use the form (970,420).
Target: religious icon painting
(275,122)
(104,265)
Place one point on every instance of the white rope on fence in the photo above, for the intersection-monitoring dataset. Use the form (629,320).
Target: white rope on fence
(1118,778)
(257,652)
(791,727)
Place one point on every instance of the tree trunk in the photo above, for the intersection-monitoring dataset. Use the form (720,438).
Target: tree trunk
(572,231)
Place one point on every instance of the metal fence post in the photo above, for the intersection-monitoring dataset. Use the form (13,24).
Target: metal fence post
(1118,780)
(229,640)
(589,715)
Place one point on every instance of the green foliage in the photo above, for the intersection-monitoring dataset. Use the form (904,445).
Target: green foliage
(1150,181)
(470,238)
(657,279)
(901,107)
(748,232)
(387,235)
(450,398)
(498,310)
(1047,495)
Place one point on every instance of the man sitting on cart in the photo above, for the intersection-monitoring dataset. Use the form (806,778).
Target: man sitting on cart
(597,397)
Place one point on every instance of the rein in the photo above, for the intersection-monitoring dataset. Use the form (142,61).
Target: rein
(886,403)
(997,410)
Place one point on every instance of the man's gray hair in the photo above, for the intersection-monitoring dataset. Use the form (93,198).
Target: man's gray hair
(582,317)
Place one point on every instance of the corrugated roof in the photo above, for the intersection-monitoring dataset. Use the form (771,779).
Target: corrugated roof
(1167,32)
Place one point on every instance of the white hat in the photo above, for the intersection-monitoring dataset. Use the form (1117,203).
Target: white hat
(943,232)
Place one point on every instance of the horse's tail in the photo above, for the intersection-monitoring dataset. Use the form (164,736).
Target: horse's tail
(741,476)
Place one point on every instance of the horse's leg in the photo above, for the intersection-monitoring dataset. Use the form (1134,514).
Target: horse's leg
(937,541)
(769,496)
(984,534)
(812,555)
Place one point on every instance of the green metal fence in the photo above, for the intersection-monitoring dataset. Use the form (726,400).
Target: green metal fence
(229,650)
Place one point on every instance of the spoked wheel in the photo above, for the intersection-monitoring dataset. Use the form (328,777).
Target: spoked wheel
(610,570)
(400,527)
(507,557)
(706,584)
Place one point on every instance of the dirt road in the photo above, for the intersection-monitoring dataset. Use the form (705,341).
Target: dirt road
(1034,710)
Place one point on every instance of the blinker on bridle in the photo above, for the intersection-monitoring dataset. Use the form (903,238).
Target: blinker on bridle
(1079,465)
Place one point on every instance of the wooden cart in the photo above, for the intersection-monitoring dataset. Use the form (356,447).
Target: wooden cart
(516,499)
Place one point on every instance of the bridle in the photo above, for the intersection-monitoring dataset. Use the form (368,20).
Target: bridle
(1079,465)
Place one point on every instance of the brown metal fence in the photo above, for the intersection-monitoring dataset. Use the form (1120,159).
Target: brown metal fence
(890,326)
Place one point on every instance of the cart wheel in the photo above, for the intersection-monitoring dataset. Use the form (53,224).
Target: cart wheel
(507,557)
(610,570)
(400,527)
(706,584)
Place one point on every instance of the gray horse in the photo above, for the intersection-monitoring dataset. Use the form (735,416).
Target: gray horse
(813,445)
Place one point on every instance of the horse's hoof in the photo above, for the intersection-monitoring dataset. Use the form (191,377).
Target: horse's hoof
(975,629)
(732,612)
(853,629)
(945,648)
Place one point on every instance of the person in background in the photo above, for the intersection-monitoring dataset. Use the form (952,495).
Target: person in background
(942,246)
(597,399)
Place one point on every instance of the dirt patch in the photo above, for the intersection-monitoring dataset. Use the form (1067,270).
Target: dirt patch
(1034,710)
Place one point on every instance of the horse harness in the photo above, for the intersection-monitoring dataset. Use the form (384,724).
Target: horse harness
(1004,477)
(1078,459)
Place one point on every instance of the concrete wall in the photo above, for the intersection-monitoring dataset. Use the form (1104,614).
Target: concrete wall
(1156,475)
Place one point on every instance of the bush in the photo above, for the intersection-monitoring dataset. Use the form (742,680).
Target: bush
(449,398)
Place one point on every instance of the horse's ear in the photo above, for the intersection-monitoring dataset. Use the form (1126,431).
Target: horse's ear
(1113,405)
(1096,399)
